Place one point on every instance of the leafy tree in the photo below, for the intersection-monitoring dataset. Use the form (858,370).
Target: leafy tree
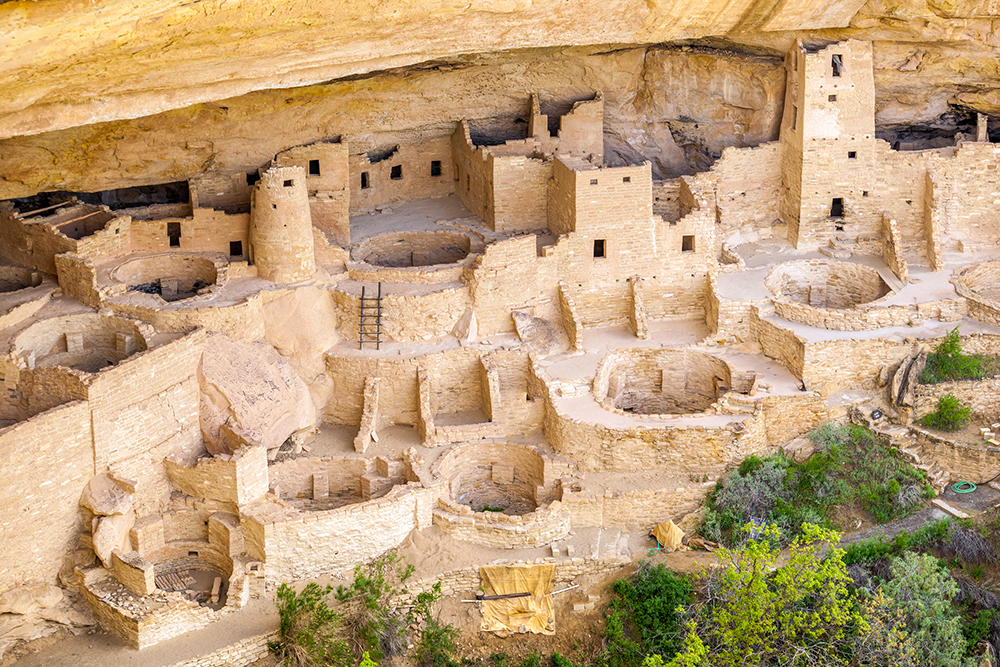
(759,612)
(922,591)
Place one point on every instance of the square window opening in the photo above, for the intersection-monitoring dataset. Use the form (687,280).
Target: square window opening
(599,249)
(364,180)
(289,183)
(837,208)
(864,193)
(626,179)
(687,244)
(593,181)
(314,167)
(852,155)
(435,167)
(192,554)
(837,62)
(831,98)
(396,173)
(839,228)
(274,206)
(236,248)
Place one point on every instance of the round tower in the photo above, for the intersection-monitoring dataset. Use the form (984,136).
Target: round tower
(281,235)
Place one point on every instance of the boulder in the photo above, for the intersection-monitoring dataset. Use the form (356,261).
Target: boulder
(799,449)
(540,334)
(467,327)
(111,533)
(254,392)
(30,597)
(104,496)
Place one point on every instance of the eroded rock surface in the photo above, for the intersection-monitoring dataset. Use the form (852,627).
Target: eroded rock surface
(252,391)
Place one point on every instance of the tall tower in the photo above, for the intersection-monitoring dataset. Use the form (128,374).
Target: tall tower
(281,233)
(828,132)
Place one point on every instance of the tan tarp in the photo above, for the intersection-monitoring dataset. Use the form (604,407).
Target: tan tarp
(668,535)
(535,612)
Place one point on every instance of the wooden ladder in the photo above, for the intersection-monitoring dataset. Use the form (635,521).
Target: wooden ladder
(370,329)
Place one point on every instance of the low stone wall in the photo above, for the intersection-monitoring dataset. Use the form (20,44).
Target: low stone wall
(241,654)
(502,531)
(983,396)
(633,510)
(973,463)
(243,321)
(288,540)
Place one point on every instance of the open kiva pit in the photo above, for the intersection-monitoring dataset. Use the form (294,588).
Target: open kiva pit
(14,278)
(651,382)
(407,249)
(171,276)
(86,342)
(822,284)
(495,477)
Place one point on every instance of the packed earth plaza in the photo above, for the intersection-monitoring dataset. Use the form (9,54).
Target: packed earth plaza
(258,337)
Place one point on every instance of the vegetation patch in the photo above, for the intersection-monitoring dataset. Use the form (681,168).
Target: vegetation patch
(948,363)
(850,468)
(951,414)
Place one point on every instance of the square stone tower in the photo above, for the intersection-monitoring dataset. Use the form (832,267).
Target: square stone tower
(828,132)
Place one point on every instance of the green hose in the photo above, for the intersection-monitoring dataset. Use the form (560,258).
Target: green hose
(963,487)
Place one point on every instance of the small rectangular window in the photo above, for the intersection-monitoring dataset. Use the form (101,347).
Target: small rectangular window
(364,180)
(289,183)
(837,62)
(687,244)
(236,248)
(192,554)
(314,167)
(831,98)
(599,248)
(795,117)
(837,208)
(396,173)
(626,179)
(174,234)
(435,167)
(864,193)
(852,155)
(593,181)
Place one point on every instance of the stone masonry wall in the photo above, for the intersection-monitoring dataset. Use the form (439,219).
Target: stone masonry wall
(46,460)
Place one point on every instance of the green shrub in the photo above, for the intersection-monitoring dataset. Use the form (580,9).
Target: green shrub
(977,628)
(644,616)
(436,647)
(947,362)
(372,620)
(308,629)
(533,659)
(560,661)
(950,415)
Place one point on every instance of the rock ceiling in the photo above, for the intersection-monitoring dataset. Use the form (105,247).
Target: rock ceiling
(117,93)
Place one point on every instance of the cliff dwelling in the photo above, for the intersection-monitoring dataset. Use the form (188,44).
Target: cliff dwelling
(506,307)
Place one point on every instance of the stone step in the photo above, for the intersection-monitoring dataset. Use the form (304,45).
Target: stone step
(842,243)
(836,254)
(949,509)
(912,454)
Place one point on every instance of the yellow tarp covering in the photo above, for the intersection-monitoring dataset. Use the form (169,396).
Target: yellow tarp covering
(535,612)
(668,535)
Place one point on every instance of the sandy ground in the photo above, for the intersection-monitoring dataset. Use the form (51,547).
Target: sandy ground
(105,650)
